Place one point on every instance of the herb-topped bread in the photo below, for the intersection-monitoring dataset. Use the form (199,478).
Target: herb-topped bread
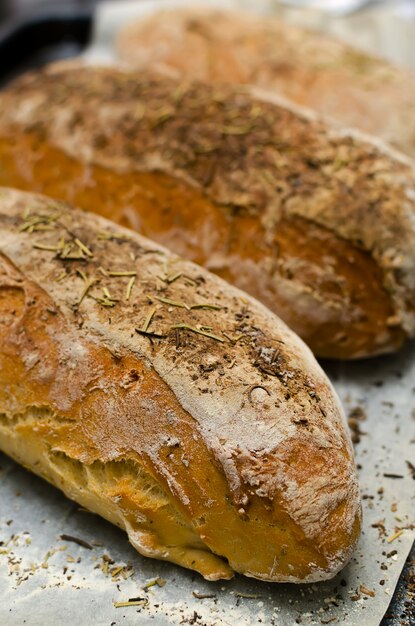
(317,223)
(172,404)
(310,68)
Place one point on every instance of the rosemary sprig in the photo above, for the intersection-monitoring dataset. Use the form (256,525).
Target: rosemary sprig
(108,295)
(191,282)
(144,329)
(83,247)
(395,535)
(233,339)
(171,279)
(206,305)
(140,602)
(105,301)
(236,130)
(123,273)
(149,333)
(107,236)
(66,253)
(160,582)
(129,288)
(81,274)
(38,222)
(116,570)
(180,305)
(89,282)
(60,277)
(148,319)
(198,332)
(41,246)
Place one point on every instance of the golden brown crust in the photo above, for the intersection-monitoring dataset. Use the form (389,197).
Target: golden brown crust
(231,180)
(219,406)
(309,68)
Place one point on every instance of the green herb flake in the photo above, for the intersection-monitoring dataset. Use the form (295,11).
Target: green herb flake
(83,247)
(180,305)
(206,305)
(129,288)
(123,273)
(140,602)
(40,246)
(148,319)
(198,332)
(88,284)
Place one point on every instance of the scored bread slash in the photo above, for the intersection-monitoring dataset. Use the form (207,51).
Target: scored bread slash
(209,433)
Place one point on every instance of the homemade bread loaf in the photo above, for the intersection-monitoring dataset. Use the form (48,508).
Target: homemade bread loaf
(310,68)
(317,223)
(174,405)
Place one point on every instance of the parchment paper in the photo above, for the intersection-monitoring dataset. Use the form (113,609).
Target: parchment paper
(47,580)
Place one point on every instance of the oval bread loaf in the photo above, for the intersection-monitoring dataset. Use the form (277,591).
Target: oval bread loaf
(311,69)
(317,223)
(167,401)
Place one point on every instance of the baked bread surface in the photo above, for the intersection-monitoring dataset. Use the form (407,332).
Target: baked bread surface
(169,402)
(317,223)
(312,69)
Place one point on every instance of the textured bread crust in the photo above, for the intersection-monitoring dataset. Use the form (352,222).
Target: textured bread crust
(171,403)
(309,68)
(317,223)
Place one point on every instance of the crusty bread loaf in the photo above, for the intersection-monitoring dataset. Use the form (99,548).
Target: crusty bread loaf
(312,69)
(171,403)
(316,223)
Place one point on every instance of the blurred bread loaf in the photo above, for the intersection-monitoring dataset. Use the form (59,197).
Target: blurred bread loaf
(311,69)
